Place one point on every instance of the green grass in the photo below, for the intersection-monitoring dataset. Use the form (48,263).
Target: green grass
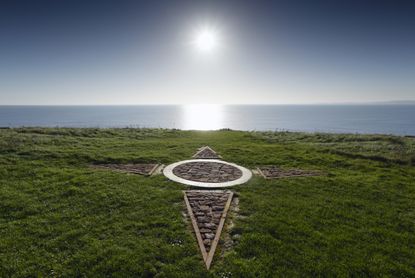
(58,217)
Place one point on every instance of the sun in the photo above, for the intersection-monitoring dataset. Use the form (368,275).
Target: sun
(206,39)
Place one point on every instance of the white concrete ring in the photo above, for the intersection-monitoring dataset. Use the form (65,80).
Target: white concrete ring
(168,172)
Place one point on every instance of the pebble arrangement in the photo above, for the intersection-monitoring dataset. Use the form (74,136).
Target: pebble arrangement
(271,171)
(213,172)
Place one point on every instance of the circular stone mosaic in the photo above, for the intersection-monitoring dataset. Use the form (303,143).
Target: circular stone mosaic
(207,173)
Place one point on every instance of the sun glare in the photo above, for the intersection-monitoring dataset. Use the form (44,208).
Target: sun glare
(206,39)
(202,116)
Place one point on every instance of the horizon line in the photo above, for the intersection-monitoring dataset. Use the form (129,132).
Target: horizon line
(229,104)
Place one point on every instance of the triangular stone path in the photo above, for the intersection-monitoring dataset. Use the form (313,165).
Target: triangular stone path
(140,169)
(206,152)
(207,210)
(274,172)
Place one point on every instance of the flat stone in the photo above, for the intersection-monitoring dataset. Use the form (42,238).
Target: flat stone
(217,208)
(209,235)
(210,225)
(204,208)
(202,219)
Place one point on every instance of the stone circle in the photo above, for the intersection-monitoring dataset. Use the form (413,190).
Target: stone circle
(207,173)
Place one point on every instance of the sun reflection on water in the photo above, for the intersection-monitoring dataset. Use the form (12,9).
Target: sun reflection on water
(202,116)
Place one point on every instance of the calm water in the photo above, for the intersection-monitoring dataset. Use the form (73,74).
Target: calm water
(389,119)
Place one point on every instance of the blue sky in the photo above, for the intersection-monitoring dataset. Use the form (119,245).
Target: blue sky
(138,52)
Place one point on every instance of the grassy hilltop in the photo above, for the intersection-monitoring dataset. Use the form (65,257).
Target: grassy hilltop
(59,217)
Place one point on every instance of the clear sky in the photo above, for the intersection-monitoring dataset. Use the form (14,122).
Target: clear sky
(267,52)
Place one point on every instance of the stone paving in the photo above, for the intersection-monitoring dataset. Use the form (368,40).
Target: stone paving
(208,210)
(271,172)
(205,153)
(140,169)
(211,172)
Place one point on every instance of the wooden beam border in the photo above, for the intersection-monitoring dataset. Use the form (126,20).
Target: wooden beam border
(218,232)
(195,227)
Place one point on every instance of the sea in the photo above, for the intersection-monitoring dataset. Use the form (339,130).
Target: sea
(369,119)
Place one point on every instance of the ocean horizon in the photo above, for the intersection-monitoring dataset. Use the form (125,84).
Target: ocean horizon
(396,119)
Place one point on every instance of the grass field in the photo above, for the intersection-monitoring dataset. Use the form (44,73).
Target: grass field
(61,218)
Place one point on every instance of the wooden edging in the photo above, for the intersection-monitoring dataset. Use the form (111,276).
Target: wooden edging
(218,232)
(208,257)
(195,227)
(261,173)
(155,168)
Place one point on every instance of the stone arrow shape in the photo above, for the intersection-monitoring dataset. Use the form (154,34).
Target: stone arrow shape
(206,152)
(207,210)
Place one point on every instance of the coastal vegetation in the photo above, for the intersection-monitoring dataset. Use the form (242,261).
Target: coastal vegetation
(60,217)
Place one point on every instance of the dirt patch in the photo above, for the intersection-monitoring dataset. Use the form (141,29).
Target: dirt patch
(274,172)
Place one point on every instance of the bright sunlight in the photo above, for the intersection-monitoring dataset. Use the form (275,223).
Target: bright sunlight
(206,39)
